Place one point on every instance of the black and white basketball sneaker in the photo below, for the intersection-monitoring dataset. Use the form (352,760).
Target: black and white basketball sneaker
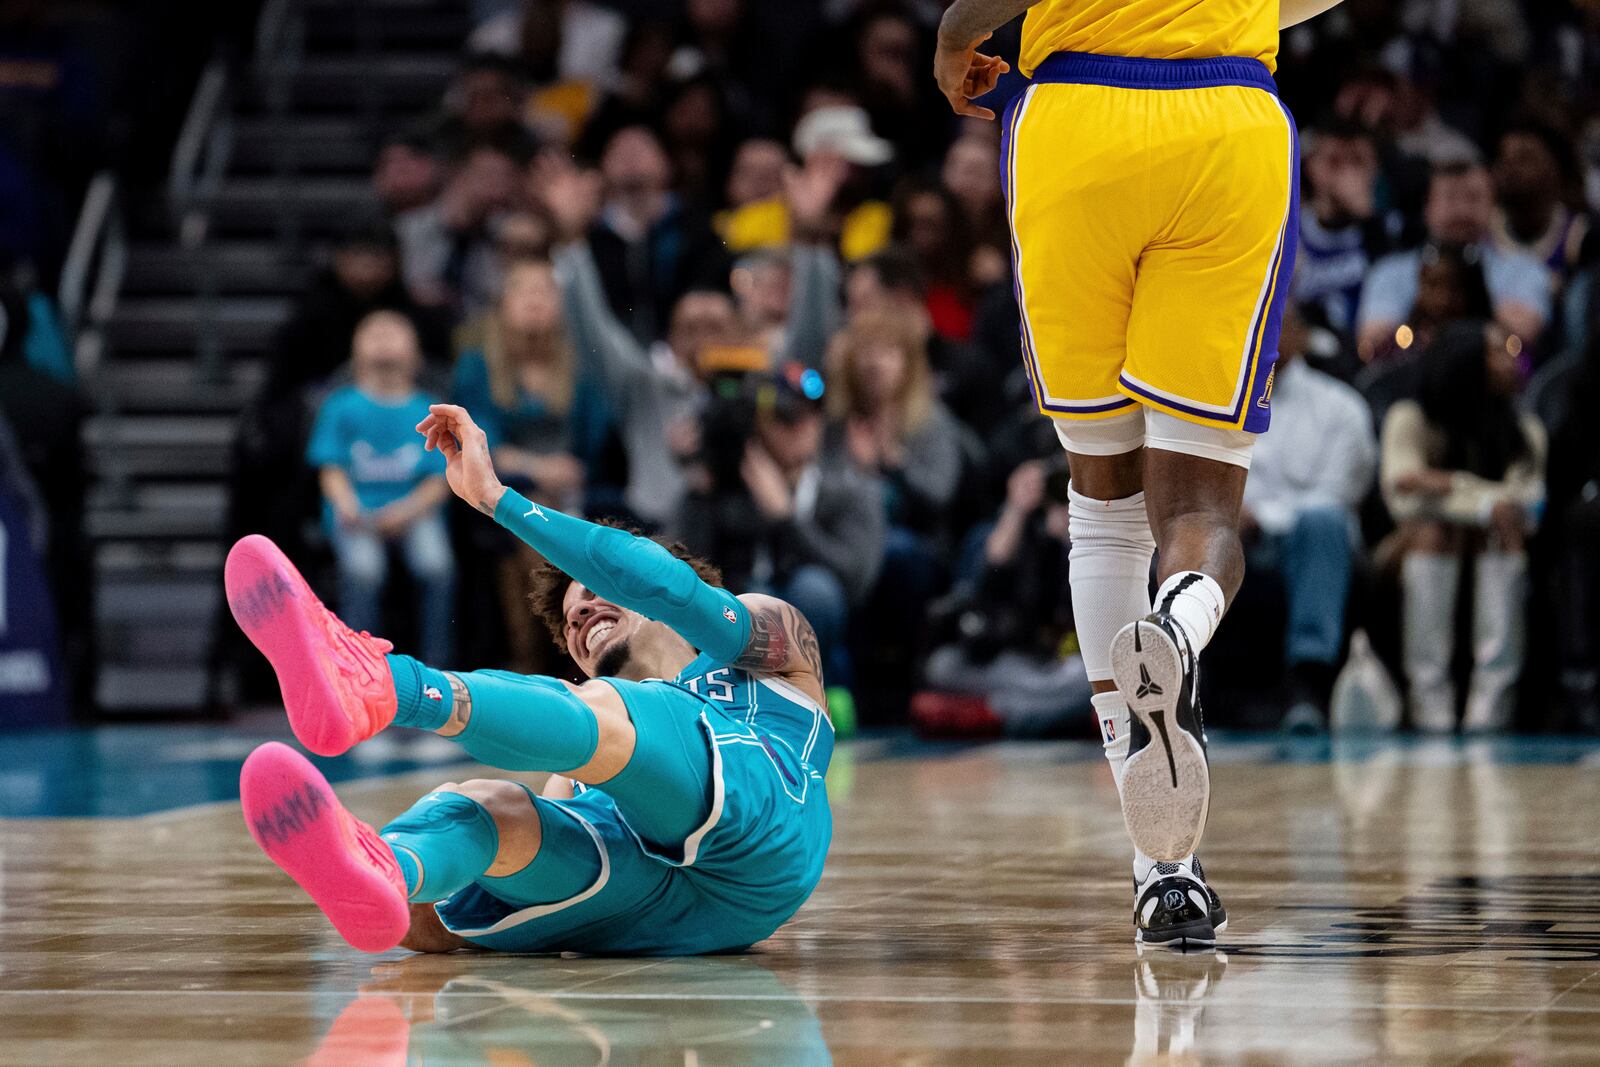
(1166,784)
(1174,907)
(1219,914)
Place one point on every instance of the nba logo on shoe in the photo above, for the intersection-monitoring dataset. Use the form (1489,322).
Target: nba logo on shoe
(727,613)
(432,692)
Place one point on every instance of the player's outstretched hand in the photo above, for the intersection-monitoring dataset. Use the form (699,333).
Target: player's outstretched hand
(468,466)
(964,73)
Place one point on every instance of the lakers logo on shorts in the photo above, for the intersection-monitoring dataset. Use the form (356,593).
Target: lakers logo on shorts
(1266,390)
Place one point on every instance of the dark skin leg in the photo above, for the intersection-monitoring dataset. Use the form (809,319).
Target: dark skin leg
(1193,505)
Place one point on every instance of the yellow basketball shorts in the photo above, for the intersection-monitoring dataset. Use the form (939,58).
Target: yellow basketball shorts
(1153,206)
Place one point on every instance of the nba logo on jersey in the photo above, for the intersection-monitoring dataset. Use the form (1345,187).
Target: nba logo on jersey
(728,613)
(432,692)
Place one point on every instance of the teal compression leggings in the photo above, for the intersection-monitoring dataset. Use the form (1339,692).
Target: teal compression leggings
(533,723)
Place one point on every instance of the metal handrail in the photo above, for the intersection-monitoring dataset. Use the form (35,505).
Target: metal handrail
(91,277)
(280,50)
(98,202)
(199,156)
(271,27)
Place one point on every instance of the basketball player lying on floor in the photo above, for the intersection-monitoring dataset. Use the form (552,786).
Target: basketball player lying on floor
(689,813)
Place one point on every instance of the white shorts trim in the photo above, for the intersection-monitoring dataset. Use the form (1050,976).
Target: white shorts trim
(537,911)
(1172,434)
(691,844)
(1110,436)
(1142,427)
(790,693)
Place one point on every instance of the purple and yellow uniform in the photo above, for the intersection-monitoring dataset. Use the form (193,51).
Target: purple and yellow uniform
(1151,176)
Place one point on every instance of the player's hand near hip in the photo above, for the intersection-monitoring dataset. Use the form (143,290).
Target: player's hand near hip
(468,466)
(964,73)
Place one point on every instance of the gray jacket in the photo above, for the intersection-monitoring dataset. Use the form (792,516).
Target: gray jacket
(647,394)
(815,311)
(918,496)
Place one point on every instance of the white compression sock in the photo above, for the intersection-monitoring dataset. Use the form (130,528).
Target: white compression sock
(1196,603)
(1143,865)
(1111,711)
(1109,569)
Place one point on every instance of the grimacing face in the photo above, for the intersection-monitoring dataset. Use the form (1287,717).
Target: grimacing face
(597,632)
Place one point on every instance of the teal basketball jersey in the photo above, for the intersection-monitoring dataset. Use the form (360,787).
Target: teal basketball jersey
(770,706)
(734,880)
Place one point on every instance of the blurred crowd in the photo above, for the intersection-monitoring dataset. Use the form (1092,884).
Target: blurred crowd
(737,275)
(732,271)
(85,86)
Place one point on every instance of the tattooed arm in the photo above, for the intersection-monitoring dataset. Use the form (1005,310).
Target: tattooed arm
(782,643)
(753,632)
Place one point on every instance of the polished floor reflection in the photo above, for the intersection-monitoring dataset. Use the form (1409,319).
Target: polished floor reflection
(1425,902)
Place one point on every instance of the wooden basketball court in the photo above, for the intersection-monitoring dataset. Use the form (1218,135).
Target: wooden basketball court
(1409,902)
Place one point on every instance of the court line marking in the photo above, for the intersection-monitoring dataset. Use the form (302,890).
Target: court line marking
(345,787)
(1496,1042)
(837,998)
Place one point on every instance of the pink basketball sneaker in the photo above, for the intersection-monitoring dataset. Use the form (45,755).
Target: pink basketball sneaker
(336,685)
(334,856)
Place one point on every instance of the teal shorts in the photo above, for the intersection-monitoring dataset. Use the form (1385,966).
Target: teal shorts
(730,883)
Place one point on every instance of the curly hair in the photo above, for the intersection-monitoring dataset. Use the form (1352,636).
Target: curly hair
(548,587)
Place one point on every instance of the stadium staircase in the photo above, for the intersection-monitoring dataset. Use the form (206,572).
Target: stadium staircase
(274,156)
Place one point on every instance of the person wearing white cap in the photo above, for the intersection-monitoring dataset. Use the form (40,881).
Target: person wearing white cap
(827,201)
(845,131)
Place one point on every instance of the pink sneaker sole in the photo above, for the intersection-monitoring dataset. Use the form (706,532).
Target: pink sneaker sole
(276,609)
(336,858)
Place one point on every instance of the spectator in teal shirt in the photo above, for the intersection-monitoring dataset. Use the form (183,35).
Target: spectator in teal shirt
(380,487)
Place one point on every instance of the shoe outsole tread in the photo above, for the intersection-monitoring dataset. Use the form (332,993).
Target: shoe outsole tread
(338,860)
(277,610)
(1166,785)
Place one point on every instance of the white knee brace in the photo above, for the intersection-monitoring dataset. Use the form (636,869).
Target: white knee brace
(1110,572)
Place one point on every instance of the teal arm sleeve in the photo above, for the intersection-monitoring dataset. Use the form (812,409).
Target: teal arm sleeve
(632,572)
